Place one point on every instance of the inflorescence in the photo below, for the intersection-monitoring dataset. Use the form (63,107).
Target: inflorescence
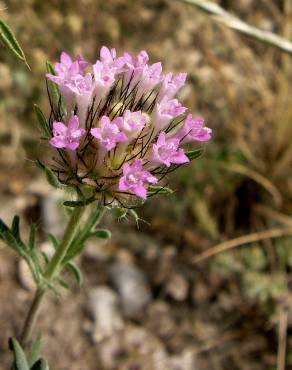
(117,125)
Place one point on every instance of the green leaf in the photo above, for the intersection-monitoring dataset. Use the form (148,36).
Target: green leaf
(50,175)
(3,228)
(75,249)
(160,190)
(9,40)
(63,283)
(46,258)
(76,271)
(52,178)
(79,203)
(54,241)
(32,237)
(34,355)
(19,355)
(194,154)
(11,241)
(42,123)
(54,89)
(41,364)
(101,234)
(15,227)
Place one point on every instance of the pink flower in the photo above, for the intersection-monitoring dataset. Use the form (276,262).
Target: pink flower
(67,136)
(138,62)
(109,134)
(134,66)
(172,83)
(150,77)
(109,57)
(132,123)
(165,111)
(135,179)
(81,89)
(67,69)
(167,151)
(194,130)
(75,84)
(104,77)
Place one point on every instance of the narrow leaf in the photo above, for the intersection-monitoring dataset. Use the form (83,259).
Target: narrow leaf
(76,271)
(42,123)
(160,190)
(63,283)
(75,249)
(10,240)
(32,236)
(9,40)
(34,355)
(19,355)
(52,86)
(193,154)
(46,258)
(53,240)
(3,228)
(50,175)
(79,203)
(15,227)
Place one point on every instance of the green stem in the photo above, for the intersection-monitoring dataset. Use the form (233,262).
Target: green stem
(77,243)
(52,270)
(70,232)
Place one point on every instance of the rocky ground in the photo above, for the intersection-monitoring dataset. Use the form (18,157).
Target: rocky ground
(143,304)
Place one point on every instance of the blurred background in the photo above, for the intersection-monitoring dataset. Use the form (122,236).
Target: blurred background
(150,299)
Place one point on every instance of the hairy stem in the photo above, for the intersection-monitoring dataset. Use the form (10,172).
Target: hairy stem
(53,269)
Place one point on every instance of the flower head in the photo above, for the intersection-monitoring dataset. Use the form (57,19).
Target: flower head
(167,151)
(67,136)
(135,179)
(128,117)
(109,134)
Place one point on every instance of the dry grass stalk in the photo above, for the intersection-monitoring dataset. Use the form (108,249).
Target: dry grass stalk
(245,239)
(237,24)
